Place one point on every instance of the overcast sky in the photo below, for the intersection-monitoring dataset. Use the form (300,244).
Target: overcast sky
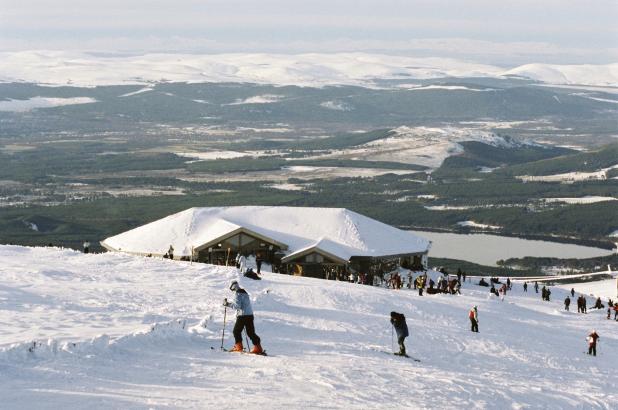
(490,31)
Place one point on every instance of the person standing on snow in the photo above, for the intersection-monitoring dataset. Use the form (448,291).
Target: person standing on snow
(244,319)
(592,342)
(398,320)
(572,292)
(536,287)
(526,287)
(567,303)
(474,319)
(242,263)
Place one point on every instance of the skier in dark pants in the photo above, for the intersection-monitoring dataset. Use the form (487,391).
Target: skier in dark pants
(525,286)
(474,319)
(536,287)
(258,262)
(592,343)
(398,320)
(567,303)
(572,292)
(244,319)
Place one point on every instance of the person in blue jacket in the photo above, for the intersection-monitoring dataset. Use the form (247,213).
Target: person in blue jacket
(398,320)
(244,319)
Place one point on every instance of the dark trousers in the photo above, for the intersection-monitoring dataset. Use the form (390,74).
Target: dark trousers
(259,266)
(245,322)
(402,347)
(475,325)
(592,349)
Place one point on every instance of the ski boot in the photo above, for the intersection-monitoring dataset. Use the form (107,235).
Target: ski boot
(237,347)
(257,349)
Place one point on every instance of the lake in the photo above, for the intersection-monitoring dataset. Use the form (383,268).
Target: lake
(488,249)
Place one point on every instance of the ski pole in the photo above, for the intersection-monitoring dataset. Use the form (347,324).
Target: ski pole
(224,318)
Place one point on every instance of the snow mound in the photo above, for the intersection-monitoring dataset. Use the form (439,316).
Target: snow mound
(99,345)
(584,74)
(42,102)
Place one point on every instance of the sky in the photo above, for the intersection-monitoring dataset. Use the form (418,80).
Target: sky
(487,31)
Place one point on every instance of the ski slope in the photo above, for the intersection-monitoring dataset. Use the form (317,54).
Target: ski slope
(93,317)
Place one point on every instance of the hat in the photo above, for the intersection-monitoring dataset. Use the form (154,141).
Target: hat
(234,285)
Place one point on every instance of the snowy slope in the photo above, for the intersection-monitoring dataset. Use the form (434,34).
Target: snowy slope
(61,67)
(324,336)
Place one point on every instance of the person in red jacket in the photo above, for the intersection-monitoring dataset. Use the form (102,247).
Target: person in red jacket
(474,319)
(592,342)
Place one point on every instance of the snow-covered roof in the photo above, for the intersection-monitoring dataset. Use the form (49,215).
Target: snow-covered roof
(336,231)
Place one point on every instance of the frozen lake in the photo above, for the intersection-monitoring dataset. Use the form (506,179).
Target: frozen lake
(488,249)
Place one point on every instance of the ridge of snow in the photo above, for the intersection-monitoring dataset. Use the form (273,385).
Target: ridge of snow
(32,103)
(311,69)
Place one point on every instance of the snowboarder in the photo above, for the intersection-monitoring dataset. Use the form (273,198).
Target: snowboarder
(474,319)
(244,319)
(526,287)
(567,303)
(592,342)
(398,320)
(86,247)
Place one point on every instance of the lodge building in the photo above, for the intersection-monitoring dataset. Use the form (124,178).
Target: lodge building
(317,242)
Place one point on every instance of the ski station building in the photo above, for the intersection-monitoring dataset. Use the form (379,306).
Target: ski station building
(317,242)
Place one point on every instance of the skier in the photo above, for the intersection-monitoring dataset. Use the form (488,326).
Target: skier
(526,287)
(536,287)
(592,342)
(398,320)
(258,262)
(572,292)
(567,303)
(508,283)
(170,252)
(584,304)
(616,311)
(474,319)
(244,319)
(86,247)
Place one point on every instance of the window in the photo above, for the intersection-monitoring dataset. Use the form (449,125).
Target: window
(314,258)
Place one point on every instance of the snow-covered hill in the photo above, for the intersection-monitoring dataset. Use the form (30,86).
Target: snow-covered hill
(83,69)
(326,340)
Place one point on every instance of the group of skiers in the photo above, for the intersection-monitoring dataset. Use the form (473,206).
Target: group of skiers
(245,318)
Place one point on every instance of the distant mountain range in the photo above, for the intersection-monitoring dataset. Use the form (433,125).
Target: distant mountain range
(310,70)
